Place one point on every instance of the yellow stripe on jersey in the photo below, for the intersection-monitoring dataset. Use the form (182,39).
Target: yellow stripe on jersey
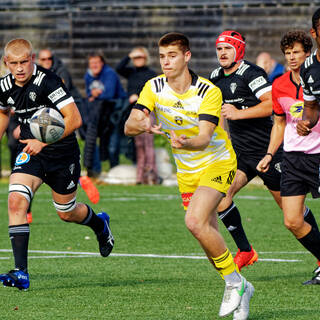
(180,112)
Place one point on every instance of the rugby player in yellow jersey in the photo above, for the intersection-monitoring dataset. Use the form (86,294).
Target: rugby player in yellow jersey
(187,108)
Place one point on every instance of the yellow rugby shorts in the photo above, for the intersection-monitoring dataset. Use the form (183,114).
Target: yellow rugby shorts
(218,176)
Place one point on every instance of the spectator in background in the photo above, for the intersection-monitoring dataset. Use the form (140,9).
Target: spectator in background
(137,75)
(104,94)
(273,68)
(48,60)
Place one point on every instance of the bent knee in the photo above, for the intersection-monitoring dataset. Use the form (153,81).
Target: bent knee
(293,225)
(194,224)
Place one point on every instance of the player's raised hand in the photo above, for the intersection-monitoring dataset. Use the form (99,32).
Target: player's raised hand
(147,125)
(177,142)
(33,146)
(303,127)
(229,111)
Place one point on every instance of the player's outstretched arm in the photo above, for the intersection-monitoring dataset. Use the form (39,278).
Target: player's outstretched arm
(139,122)
(276,138)
(199,142)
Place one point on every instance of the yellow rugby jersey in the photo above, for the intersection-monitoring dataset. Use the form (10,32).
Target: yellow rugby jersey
(181,112)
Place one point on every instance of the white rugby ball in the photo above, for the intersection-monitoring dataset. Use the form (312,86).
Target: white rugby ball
(47,125)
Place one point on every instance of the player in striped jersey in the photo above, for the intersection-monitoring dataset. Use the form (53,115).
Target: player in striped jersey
(26,89)
(187,108)
(247,107)
(309,126)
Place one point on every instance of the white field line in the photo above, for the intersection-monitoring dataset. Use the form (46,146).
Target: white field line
(117,196)
(68,254)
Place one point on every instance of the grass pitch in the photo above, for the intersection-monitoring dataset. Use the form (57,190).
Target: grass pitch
(157,270)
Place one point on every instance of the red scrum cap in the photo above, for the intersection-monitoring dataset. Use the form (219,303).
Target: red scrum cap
(235,40)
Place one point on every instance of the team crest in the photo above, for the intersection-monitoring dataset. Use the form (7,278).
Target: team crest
(178,120)
(10,101)
(22,158)
(233,87)
(32,96)
(310,80)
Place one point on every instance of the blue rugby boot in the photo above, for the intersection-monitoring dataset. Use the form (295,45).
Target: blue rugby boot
(105,238)
(15,278)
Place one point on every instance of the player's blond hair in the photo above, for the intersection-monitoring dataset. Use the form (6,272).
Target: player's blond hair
(17,46)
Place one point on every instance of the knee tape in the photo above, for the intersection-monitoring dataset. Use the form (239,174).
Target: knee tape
(21,189)
(65,207)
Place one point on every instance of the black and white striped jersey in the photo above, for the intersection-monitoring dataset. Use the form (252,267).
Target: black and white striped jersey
(310,78)
(243,88)
(44,89)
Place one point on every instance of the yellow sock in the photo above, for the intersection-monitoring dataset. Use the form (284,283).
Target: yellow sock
(224,264)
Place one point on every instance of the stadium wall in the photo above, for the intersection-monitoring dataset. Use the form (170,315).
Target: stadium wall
(73,28)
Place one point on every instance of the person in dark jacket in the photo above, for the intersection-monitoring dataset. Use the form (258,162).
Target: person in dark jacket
(137,74)
(104,91)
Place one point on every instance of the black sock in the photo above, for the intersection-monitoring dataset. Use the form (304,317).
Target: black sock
(93,221)
(309,217)
(19,236)
(312,242)
(232,220)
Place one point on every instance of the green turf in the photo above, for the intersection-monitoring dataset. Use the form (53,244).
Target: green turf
(150,220)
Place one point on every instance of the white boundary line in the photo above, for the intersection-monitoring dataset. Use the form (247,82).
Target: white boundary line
(70,254)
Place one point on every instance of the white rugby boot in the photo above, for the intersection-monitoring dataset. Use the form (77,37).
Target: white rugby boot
(233,293)
(242,312)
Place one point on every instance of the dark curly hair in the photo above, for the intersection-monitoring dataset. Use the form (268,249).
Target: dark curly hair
(315,19)
(291,37)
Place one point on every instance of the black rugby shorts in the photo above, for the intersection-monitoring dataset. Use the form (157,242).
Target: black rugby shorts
(300,174)
(247,163)
(60,174)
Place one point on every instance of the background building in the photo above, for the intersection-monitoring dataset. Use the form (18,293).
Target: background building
(73,28)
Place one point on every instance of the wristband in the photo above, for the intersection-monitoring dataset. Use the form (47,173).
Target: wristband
(269,154)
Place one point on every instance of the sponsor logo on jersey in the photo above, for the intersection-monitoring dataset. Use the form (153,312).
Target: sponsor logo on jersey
(217,179)
(233,87)
(296,109)
(32,96)
(57,94)
(310,79)
(10,101)
(257,83)
(178,120)
(178,105)
(22,158)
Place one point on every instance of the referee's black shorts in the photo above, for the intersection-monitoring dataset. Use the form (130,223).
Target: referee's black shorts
(300,174)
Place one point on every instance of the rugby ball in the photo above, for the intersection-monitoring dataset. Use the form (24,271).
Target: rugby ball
(47,125)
